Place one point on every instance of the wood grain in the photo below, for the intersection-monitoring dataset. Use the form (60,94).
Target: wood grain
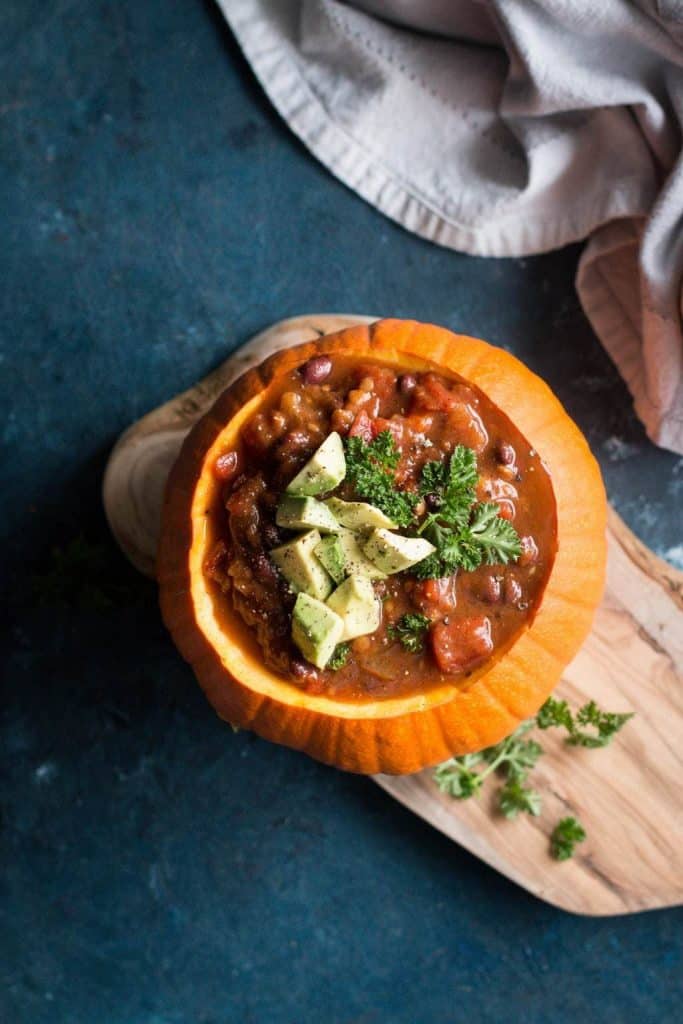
(629,796)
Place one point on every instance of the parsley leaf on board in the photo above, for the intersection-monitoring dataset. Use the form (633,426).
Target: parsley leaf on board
(370,467)
(515,797)
(339,657)
(565,837)
(457,777)
(605,724)
(463,777)
(410,630)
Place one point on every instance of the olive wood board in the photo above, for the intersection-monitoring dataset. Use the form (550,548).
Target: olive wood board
(629,796)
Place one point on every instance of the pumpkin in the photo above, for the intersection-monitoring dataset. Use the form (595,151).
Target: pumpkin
(402,734)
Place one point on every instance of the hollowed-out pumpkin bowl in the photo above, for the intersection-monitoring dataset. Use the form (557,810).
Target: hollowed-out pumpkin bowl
(395,735)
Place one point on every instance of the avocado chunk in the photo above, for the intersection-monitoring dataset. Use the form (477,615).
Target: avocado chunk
(300,567)
(342,556)
(316,629)
(358,515)
(323,471)
(305,514)
(330,552)
(358,606)
(392,553)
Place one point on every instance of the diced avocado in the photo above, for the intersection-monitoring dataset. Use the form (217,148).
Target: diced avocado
(331,554)
(392,553)
(316,629)
(343,556)
(300,567)
(305,513)
(323,471)
(358,515)
(357,604)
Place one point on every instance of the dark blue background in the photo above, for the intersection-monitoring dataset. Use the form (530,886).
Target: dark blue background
(157,868)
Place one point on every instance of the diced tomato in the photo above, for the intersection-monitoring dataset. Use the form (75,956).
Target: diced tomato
(369,427)
(394,426)
(433,395)
(435,597)
(461,644)
(420,423)
(467,427)
(362,427)
(383,378)
(506,509)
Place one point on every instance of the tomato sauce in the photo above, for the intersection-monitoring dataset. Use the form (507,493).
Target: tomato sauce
(472,614)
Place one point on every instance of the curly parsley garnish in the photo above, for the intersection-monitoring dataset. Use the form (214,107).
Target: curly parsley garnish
(371,468)
(565,836)
(410,630)
(513,758)
(451,484)
(465,533)
(604,723)
(339,657)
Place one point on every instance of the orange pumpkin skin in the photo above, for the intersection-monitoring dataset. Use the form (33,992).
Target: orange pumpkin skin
(397,735)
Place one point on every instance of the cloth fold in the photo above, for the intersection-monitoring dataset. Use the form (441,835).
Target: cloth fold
(506,128)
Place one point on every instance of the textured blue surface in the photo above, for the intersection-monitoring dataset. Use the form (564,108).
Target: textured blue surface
(155,868)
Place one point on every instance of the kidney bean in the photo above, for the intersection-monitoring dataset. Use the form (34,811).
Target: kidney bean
(505,453)
(491,589)
(317,370)
(529,553)
(513,590)
(407,383)
(432,501)
(304,674)
(226,465)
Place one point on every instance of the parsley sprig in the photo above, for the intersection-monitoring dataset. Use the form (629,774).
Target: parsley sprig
(410,630)
(564,838)
(339,657)
(606,724)
(514,757)
(465,533)
(371,468)
(452,484)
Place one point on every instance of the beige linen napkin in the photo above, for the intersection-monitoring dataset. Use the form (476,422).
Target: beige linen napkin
(505,128)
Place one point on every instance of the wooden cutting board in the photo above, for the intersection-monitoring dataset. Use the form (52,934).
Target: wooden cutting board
(629,797)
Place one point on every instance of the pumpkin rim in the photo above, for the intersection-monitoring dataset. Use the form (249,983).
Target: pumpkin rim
(497,696)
